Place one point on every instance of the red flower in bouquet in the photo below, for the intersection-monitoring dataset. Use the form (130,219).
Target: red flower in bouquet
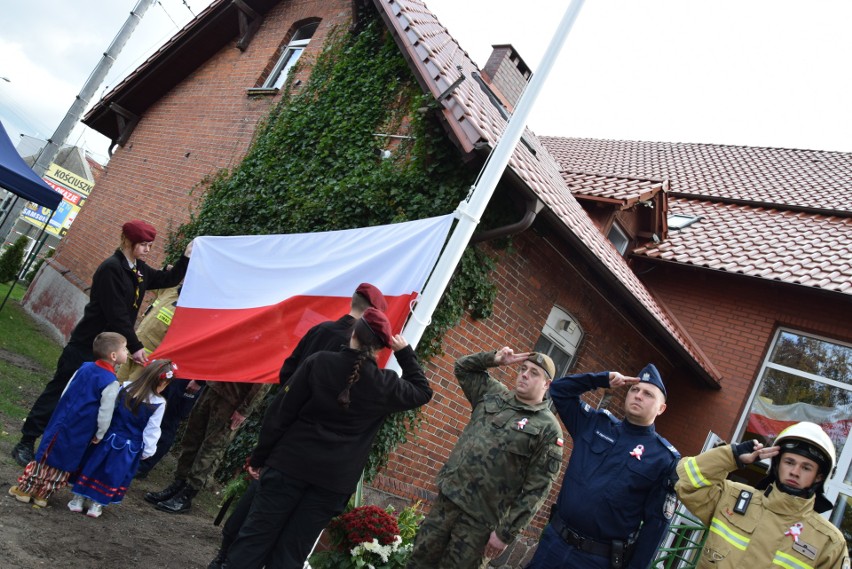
(362,525)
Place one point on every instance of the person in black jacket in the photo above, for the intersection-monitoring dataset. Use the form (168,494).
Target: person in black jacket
(118,289)
(315,441)
(332,335)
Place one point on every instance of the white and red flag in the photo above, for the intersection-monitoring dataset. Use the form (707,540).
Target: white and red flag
(246,301)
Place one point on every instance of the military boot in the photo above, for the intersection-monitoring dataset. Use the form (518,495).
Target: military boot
(221,558)
(180,502)
(169,492)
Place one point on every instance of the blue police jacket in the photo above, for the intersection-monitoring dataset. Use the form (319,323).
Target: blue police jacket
(608,491)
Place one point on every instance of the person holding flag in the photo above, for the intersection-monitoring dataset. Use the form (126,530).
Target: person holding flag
(118,289)
(315,441)
(331,335)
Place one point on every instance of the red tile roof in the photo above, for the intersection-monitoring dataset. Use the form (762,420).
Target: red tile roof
(770,213)
(793,247)
(806,179)
(439,62)
(627,191)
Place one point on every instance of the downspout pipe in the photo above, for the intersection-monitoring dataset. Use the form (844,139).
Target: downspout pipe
(534,206)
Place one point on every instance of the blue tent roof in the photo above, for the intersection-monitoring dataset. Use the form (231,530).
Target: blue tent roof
(20,179)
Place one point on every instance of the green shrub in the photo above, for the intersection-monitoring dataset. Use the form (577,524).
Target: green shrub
(12,259)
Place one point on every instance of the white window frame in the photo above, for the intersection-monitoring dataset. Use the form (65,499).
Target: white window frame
(564,334)
(290,56)
(834,485)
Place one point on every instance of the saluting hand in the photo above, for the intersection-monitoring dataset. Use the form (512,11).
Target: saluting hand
(617,380)
(507,356)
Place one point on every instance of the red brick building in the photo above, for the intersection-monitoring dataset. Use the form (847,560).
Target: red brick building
(752,293)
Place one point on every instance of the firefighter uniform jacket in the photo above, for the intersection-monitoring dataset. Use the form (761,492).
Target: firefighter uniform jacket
(748,528)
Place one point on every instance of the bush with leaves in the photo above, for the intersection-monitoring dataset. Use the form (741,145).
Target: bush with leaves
(12,259)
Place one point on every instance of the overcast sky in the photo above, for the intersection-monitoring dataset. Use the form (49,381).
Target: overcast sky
(756,72)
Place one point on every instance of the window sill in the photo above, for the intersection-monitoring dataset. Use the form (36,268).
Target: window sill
(261,91)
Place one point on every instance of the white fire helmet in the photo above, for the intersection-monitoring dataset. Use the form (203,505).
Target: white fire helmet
(817,445)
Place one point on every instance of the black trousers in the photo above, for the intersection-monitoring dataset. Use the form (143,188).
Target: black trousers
(231,529)
(285,519)
(70,360)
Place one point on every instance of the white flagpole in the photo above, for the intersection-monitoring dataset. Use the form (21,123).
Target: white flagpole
(470,210)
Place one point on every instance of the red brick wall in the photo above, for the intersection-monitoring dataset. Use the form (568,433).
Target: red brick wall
(733,319)
(531,279)
(206,123)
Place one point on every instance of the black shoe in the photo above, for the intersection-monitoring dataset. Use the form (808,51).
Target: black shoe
(23,453)
(221,559)
(179,503)
(169,492)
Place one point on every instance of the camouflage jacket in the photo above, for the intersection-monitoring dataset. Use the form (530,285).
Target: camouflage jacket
(507,457)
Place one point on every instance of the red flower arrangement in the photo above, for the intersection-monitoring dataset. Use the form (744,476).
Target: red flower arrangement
(362,525)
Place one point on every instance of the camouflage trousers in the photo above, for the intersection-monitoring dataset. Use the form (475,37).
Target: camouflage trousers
(208,433)
(449,537)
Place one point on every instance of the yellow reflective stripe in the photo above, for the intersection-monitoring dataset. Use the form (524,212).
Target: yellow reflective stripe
(788,561)
(694,473)
(737,540)
(165,315)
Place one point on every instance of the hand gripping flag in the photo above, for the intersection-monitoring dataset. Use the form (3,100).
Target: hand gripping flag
(246,301)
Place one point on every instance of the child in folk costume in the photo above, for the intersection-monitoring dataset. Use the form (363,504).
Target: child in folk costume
(82,415)
(109,467)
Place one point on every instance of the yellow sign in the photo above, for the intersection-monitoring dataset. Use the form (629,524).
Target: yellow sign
(69,179)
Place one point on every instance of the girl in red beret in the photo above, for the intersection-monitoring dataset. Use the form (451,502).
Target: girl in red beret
(118,289)
(315,440)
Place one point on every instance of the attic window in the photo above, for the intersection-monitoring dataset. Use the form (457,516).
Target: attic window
(618,237)
(680,221)
(290,56)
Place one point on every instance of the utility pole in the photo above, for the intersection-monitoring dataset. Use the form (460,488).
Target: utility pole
(55,142)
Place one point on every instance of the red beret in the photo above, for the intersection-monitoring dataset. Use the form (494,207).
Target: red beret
(379,324)
(138,231)
(373,295)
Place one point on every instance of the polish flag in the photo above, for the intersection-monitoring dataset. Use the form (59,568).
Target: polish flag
(246,301)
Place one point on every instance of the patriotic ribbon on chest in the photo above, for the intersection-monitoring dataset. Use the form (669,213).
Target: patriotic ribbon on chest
(637,452)
(795,531)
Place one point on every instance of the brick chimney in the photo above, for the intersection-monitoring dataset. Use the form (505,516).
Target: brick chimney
(506,73)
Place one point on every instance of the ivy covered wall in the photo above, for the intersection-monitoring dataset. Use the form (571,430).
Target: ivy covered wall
(315,166)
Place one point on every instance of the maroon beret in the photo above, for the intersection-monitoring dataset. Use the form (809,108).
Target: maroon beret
(138,231)
(379,324)
(373,295)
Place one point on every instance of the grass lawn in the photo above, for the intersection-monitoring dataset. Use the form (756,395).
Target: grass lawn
(27,357)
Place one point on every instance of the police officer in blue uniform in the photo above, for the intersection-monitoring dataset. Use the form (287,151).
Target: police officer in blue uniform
(617,497)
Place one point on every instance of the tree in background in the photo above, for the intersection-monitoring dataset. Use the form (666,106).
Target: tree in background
(12,259)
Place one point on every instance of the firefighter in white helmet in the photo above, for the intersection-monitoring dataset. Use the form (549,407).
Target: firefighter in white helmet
(779,522)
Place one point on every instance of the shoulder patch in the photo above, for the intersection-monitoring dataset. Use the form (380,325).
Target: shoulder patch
(612,417)
(668,445)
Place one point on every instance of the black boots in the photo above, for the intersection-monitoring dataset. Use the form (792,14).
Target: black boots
(23,453)
(221,558)
(173,489)
(180,502)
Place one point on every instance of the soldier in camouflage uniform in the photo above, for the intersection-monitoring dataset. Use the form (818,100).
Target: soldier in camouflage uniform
(501,469)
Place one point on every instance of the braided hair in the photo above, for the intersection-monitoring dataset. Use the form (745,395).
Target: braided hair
(368,345)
